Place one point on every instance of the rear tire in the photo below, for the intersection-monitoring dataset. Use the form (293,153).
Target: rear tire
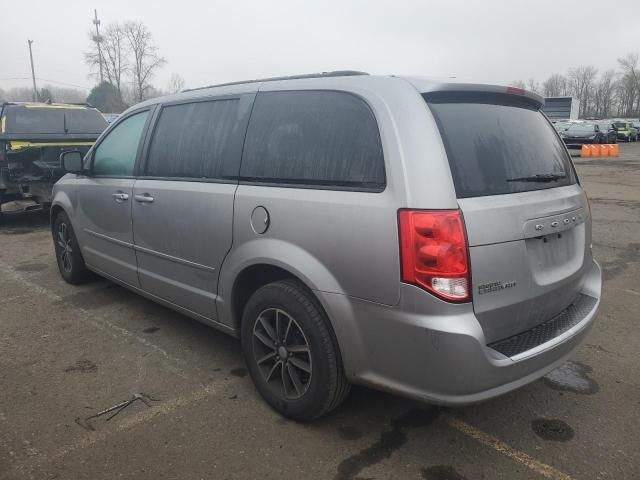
(70,262)
(291,351)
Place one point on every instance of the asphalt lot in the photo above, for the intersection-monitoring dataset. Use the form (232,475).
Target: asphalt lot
(67,353)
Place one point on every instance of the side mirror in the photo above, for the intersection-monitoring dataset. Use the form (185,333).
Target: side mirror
(71,161)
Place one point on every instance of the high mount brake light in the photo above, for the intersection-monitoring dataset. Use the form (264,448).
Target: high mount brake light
(515,91)
(434,253)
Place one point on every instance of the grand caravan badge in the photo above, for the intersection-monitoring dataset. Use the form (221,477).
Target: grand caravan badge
(495,287)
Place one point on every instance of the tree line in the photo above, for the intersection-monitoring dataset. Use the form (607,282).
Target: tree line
(612,93)
(127,58)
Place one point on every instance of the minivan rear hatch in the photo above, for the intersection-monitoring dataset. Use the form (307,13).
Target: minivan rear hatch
(526,216)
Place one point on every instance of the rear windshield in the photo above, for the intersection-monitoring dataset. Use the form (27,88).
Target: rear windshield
(21,119)
(498,144)
(620,125)
(580,127)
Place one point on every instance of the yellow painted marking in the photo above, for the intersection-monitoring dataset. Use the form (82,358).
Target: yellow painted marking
(19,145)
(54,105)
(499,446)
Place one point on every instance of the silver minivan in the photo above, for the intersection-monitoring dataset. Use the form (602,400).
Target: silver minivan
(426,238)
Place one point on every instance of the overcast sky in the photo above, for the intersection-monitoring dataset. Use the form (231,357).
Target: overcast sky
(209,41)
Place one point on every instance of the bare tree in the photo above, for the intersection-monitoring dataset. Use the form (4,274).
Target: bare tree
(533,86)
(604,94)
(581,81)
(114,51)
(145,58)
(629,85)
(555,86)
(176,83)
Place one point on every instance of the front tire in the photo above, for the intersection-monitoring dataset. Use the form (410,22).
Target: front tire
(70,262)
(291,351)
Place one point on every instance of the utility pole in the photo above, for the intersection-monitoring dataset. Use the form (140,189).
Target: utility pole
(33,73)
(98,40)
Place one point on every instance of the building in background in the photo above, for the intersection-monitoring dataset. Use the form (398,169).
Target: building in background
(561,108)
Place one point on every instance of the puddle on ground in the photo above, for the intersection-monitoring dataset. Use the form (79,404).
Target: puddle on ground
(239,372)
(349,433)
(16,231)
(572,377)
(82,366)
(390,441)
(31,267)
(441,472)
(550,429)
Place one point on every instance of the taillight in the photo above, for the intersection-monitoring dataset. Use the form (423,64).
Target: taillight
(434,253)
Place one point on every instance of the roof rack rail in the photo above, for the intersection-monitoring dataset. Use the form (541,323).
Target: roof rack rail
(335,73)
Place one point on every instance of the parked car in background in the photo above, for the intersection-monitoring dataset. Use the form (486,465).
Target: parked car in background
(32,136)
(577,134)
(110,117)
(625,131)
(345,231)
(561,125)
(606,127)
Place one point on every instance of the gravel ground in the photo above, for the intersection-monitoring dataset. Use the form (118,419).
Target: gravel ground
(67,353)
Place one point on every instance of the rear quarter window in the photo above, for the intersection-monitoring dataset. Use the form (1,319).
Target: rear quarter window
(493,139)
(322,139)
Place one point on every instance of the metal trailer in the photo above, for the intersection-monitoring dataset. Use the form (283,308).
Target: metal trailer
(561,108)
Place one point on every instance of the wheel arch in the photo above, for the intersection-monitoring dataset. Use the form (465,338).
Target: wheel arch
(264,260)
(61,203)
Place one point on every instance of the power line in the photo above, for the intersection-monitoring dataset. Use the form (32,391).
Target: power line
(45,80)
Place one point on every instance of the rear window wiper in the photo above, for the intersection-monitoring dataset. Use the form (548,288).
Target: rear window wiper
(540,177)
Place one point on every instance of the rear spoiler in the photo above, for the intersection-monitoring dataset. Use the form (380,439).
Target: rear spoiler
(427,86)
(529,97)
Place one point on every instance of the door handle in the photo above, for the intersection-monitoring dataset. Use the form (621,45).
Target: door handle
(146,198)
(120,196)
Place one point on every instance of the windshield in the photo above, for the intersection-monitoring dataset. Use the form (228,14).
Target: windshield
(492,139)
(620,125)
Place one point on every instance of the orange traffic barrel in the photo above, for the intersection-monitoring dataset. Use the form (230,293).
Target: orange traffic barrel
(586,151)
(614,151)
(604,150)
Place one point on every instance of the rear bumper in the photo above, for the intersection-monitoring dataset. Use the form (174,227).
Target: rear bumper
(441,356)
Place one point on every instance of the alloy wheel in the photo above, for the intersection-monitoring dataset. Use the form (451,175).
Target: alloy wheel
(282,353)
(64,247)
